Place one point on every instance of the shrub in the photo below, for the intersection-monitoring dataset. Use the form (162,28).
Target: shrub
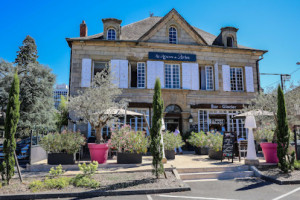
(172,141)
(265,132)
(55,172)
(88,170)
(36,185)
(297,164)
(215,140)
(56,183)
(198,139)
(126,140)
(66,142)
(85,179)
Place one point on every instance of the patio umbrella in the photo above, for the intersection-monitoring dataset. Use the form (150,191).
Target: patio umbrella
(253,113)
(251,158)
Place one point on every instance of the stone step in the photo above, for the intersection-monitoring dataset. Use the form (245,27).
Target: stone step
(216,175)
(213,169)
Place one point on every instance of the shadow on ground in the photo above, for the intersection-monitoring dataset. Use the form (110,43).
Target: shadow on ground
(252,183)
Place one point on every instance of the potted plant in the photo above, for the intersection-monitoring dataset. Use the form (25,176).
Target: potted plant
(100,104)
(130,145)
(199,141)
(214,141)
(61,147)
(171,141)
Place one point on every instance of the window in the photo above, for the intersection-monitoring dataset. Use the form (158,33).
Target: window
(236,79)
(172,76)
(111,34)
(138,123)
(209,78)
(229,42)
(172,35)
(99,66)
(141,74)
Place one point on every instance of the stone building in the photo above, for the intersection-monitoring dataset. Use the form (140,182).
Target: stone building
(206,79)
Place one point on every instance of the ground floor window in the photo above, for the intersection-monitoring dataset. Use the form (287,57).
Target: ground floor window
(221,120)
(138,123)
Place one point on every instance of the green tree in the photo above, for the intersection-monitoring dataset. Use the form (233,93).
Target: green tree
(6,77)
(283,135)
(11,122)
(155,131)
(62,113)
(36,90)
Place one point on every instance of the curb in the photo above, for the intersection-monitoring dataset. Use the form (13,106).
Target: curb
(258,173)
(91,194)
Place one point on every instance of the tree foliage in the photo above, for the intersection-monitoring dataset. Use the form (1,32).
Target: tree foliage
(283,136)
(11,122)
(155,131)
(6,77)
(62,113)
(93,104)
(27,53)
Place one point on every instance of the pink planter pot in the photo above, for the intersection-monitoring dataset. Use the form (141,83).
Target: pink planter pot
(98,152)
(270,152)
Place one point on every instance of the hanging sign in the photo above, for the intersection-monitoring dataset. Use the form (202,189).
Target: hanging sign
(172,56)
(229,140)
(217,121)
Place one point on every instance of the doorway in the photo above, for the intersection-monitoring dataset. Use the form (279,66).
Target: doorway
(173,118)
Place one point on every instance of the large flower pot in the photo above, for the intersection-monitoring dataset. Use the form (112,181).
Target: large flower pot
(198,150)
(129,158)
(170,154)
(61,159)
(204,150)
(98,152)
(270,152)
(217,155)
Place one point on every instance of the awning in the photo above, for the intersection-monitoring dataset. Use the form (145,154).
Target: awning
(253,113)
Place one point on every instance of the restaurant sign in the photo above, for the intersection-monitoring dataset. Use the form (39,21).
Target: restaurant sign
(172,56)
(219,106)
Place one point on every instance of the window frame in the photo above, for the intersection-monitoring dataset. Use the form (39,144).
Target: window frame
(107,34)
(236,84)
(172,75)
(144,75)
(206,78)
(172,32)
(93,67)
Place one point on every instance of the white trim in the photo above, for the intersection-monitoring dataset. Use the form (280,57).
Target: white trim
(86,72)
(216,76)
(226,78)
(172,73)
(137,72)
(249,79)
(212,77)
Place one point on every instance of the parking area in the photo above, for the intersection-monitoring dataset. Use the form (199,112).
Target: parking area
(237,189)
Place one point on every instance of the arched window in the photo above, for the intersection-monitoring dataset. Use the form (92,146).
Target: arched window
(111,34)
(172,35)
(173,109)
(229,42)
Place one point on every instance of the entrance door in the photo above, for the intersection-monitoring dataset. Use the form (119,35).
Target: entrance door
(172,124)
(173,118)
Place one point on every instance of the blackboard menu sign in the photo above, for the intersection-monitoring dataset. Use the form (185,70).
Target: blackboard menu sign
(228,145)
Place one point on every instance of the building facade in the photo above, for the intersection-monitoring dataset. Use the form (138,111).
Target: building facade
(60,90)
(206,79)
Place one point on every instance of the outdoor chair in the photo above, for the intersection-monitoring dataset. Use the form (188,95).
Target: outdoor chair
(243,145)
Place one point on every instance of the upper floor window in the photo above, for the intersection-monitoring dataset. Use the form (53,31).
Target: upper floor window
(172,76)
(99,66)
(111,34)
(236,79)
(172,35)
(229,42)
(209,78)
(141,77)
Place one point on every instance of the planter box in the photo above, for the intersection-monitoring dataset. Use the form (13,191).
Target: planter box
(129,158)
(170,154)
(217,155)
(60,158)
(201,150)
(198,150)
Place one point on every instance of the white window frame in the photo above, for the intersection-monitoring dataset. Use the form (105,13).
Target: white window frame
(209,76)
(135,120)
(234,80)
(141,66)
(110,37)
(172,66)
(173,32)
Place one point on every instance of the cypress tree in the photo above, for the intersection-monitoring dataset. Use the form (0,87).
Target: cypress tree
(156,146)
(11,121)
(283,135)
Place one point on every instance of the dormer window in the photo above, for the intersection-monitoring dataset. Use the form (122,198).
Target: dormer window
(229,42)
(172,35)
(111,34)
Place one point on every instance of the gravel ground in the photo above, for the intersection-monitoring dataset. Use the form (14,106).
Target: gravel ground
(108,182)
(277,174)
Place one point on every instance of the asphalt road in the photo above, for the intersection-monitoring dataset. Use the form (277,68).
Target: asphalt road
(238,189)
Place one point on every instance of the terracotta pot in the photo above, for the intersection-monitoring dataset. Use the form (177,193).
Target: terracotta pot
(129,158)
(98,152)
(270,152)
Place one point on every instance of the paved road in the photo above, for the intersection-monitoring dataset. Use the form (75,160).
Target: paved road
(239,189)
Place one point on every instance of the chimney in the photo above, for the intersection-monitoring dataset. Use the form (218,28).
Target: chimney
(83,29)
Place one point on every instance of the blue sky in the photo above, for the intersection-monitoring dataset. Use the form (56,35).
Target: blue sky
(268,25)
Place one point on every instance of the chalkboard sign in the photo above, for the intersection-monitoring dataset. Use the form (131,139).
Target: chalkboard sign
(229,140)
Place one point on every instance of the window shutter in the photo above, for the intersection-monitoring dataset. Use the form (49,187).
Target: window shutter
(86,72)
(195,76)
(186,76)
(89,130)
(159,66)
(203,79)
(249,79)
(216,76)
(123,73)
(226,78)
(115,70)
